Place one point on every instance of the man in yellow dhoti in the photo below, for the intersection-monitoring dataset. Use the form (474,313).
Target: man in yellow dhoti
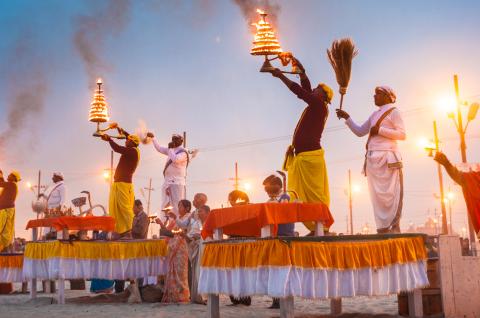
(122,195)
(8,195)
(304,161)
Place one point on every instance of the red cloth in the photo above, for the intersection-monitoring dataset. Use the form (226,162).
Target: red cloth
(247,220)
(471,192)
(87,223)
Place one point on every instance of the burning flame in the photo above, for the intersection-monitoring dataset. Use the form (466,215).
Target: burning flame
(98,108)
(265,42)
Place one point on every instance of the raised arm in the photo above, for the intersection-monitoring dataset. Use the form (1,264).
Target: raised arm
(160,149)
(452,171)
(301,93)
(115,147)
(304,81)
(398,130)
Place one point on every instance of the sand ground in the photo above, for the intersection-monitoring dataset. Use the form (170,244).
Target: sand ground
(20,306)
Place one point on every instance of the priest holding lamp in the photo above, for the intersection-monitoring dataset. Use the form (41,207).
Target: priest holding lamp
(305,157)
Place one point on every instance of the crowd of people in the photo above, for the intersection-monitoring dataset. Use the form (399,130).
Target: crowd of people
(307,182)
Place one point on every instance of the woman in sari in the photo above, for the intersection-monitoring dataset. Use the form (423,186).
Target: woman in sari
(176,281)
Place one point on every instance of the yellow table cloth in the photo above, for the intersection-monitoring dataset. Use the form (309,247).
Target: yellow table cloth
(95,259)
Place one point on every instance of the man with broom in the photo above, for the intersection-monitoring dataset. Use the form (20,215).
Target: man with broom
(304,160)
(382,165)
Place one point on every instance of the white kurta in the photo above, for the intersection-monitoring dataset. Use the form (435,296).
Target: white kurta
(173,188)
(383,165)
(56,195)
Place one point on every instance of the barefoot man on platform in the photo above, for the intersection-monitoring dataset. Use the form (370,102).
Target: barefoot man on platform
(383,161)
(122,195)
(304,160)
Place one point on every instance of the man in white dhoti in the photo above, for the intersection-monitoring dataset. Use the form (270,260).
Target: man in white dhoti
(174,172)
(383,161)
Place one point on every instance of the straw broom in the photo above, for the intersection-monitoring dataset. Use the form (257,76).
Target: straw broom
(340,56)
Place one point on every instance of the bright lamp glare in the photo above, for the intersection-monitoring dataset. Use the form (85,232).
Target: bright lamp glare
(356,188)
(447,104)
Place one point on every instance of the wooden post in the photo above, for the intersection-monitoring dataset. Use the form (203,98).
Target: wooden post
(319,229)
(111,168)
(415,303)
(350,206)
(213,306)
(440,182)
(33,281)
(266,231)
(218,234)
(61,291)
(213,301)
(287,307)
(335,306)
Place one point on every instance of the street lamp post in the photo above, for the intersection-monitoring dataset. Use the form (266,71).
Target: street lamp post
(350,200)
(472,112)
(440,181)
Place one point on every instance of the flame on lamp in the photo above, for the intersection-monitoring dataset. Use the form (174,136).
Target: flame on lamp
(265,42)
(99,108)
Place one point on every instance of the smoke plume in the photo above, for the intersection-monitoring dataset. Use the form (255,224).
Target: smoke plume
(249,10)
(26,89)
(106,19)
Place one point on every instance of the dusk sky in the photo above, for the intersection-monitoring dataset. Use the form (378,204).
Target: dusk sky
(185,66)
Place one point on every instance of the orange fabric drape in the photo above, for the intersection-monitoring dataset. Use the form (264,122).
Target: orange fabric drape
(471,192)
(316,255)
(99,223)
(247,220)
(11,261)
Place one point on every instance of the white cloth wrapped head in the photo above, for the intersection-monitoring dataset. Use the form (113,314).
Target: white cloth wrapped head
(58,174)
(388,91)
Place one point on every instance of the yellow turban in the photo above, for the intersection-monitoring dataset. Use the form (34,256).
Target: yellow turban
(328,91)
(134,138)
(16,174)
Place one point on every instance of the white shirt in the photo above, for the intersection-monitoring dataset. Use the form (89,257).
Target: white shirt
(176,172)
(56,194)
(391,129)
(190,225)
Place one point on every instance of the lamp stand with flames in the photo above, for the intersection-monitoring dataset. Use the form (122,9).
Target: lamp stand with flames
(99,114)
(265,43)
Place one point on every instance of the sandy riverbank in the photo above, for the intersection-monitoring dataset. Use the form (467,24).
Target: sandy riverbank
(20,305)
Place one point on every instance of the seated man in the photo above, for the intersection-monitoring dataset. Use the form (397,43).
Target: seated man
(140,221)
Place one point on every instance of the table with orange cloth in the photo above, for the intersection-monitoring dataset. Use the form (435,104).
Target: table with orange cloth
(74,223)
(11,267)
(314,267)
(248,220)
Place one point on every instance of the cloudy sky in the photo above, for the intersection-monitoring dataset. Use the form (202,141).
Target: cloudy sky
(185,66)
